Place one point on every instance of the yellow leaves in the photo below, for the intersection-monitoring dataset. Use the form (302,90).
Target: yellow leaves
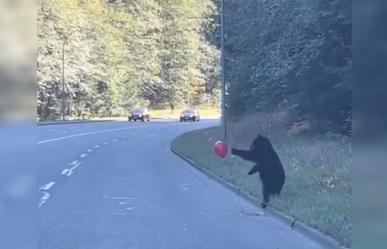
(130,45)
(188,3)
(97,7)
(67,11)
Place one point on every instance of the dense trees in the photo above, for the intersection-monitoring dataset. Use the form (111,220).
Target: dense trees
(280,55)
(118,54)
(293,56)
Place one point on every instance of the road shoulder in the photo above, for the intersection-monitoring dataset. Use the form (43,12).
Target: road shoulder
(313,234)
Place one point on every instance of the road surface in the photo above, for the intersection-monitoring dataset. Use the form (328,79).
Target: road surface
(116,185)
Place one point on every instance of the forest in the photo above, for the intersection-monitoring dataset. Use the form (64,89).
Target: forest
(104,57)
(280,56)
(292,57)
(288,77)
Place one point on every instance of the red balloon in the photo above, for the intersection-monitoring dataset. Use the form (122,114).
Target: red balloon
(221,149)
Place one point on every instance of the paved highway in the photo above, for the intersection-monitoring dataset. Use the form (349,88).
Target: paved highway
(116,185)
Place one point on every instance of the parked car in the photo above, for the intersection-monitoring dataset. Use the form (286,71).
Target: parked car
(139,114)
(190,115)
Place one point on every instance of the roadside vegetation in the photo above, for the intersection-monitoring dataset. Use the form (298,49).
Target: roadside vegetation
(205,112)
(119,55)
(287,76)
(318,189)
(208,112)
(287,73)
(293,57)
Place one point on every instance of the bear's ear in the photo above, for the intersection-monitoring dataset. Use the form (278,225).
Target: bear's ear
(260,137)
(258,140)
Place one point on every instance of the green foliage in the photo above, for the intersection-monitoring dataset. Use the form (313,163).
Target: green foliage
(318,183)
(293,56)
(119,54)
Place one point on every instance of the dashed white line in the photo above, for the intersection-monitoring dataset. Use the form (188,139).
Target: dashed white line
(47,186)
(84,155)
(89,150)
(130,208)
(45,194)
(183,187)
(106,143)
(44,198)
(118,214)
(69,172)
(115,140)
(74,162)
(96,146)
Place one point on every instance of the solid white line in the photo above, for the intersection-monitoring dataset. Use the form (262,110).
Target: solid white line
(82,134)
(120,198)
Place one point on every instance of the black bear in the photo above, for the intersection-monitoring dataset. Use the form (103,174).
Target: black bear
(268,165)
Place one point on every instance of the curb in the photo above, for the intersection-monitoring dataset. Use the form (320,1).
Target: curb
(313,234)
(71,122)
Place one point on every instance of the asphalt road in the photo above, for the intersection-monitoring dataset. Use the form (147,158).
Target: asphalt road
(116,185)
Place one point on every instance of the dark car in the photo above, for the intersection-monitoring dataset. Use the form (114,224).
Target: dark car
(139,114)
(190,115)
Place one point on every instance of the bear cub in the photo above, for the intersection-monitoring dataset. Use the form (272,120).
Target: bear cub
(267,163)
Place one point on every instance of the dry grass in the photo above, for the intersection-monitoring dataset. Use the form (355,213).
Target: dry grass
(318,190)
